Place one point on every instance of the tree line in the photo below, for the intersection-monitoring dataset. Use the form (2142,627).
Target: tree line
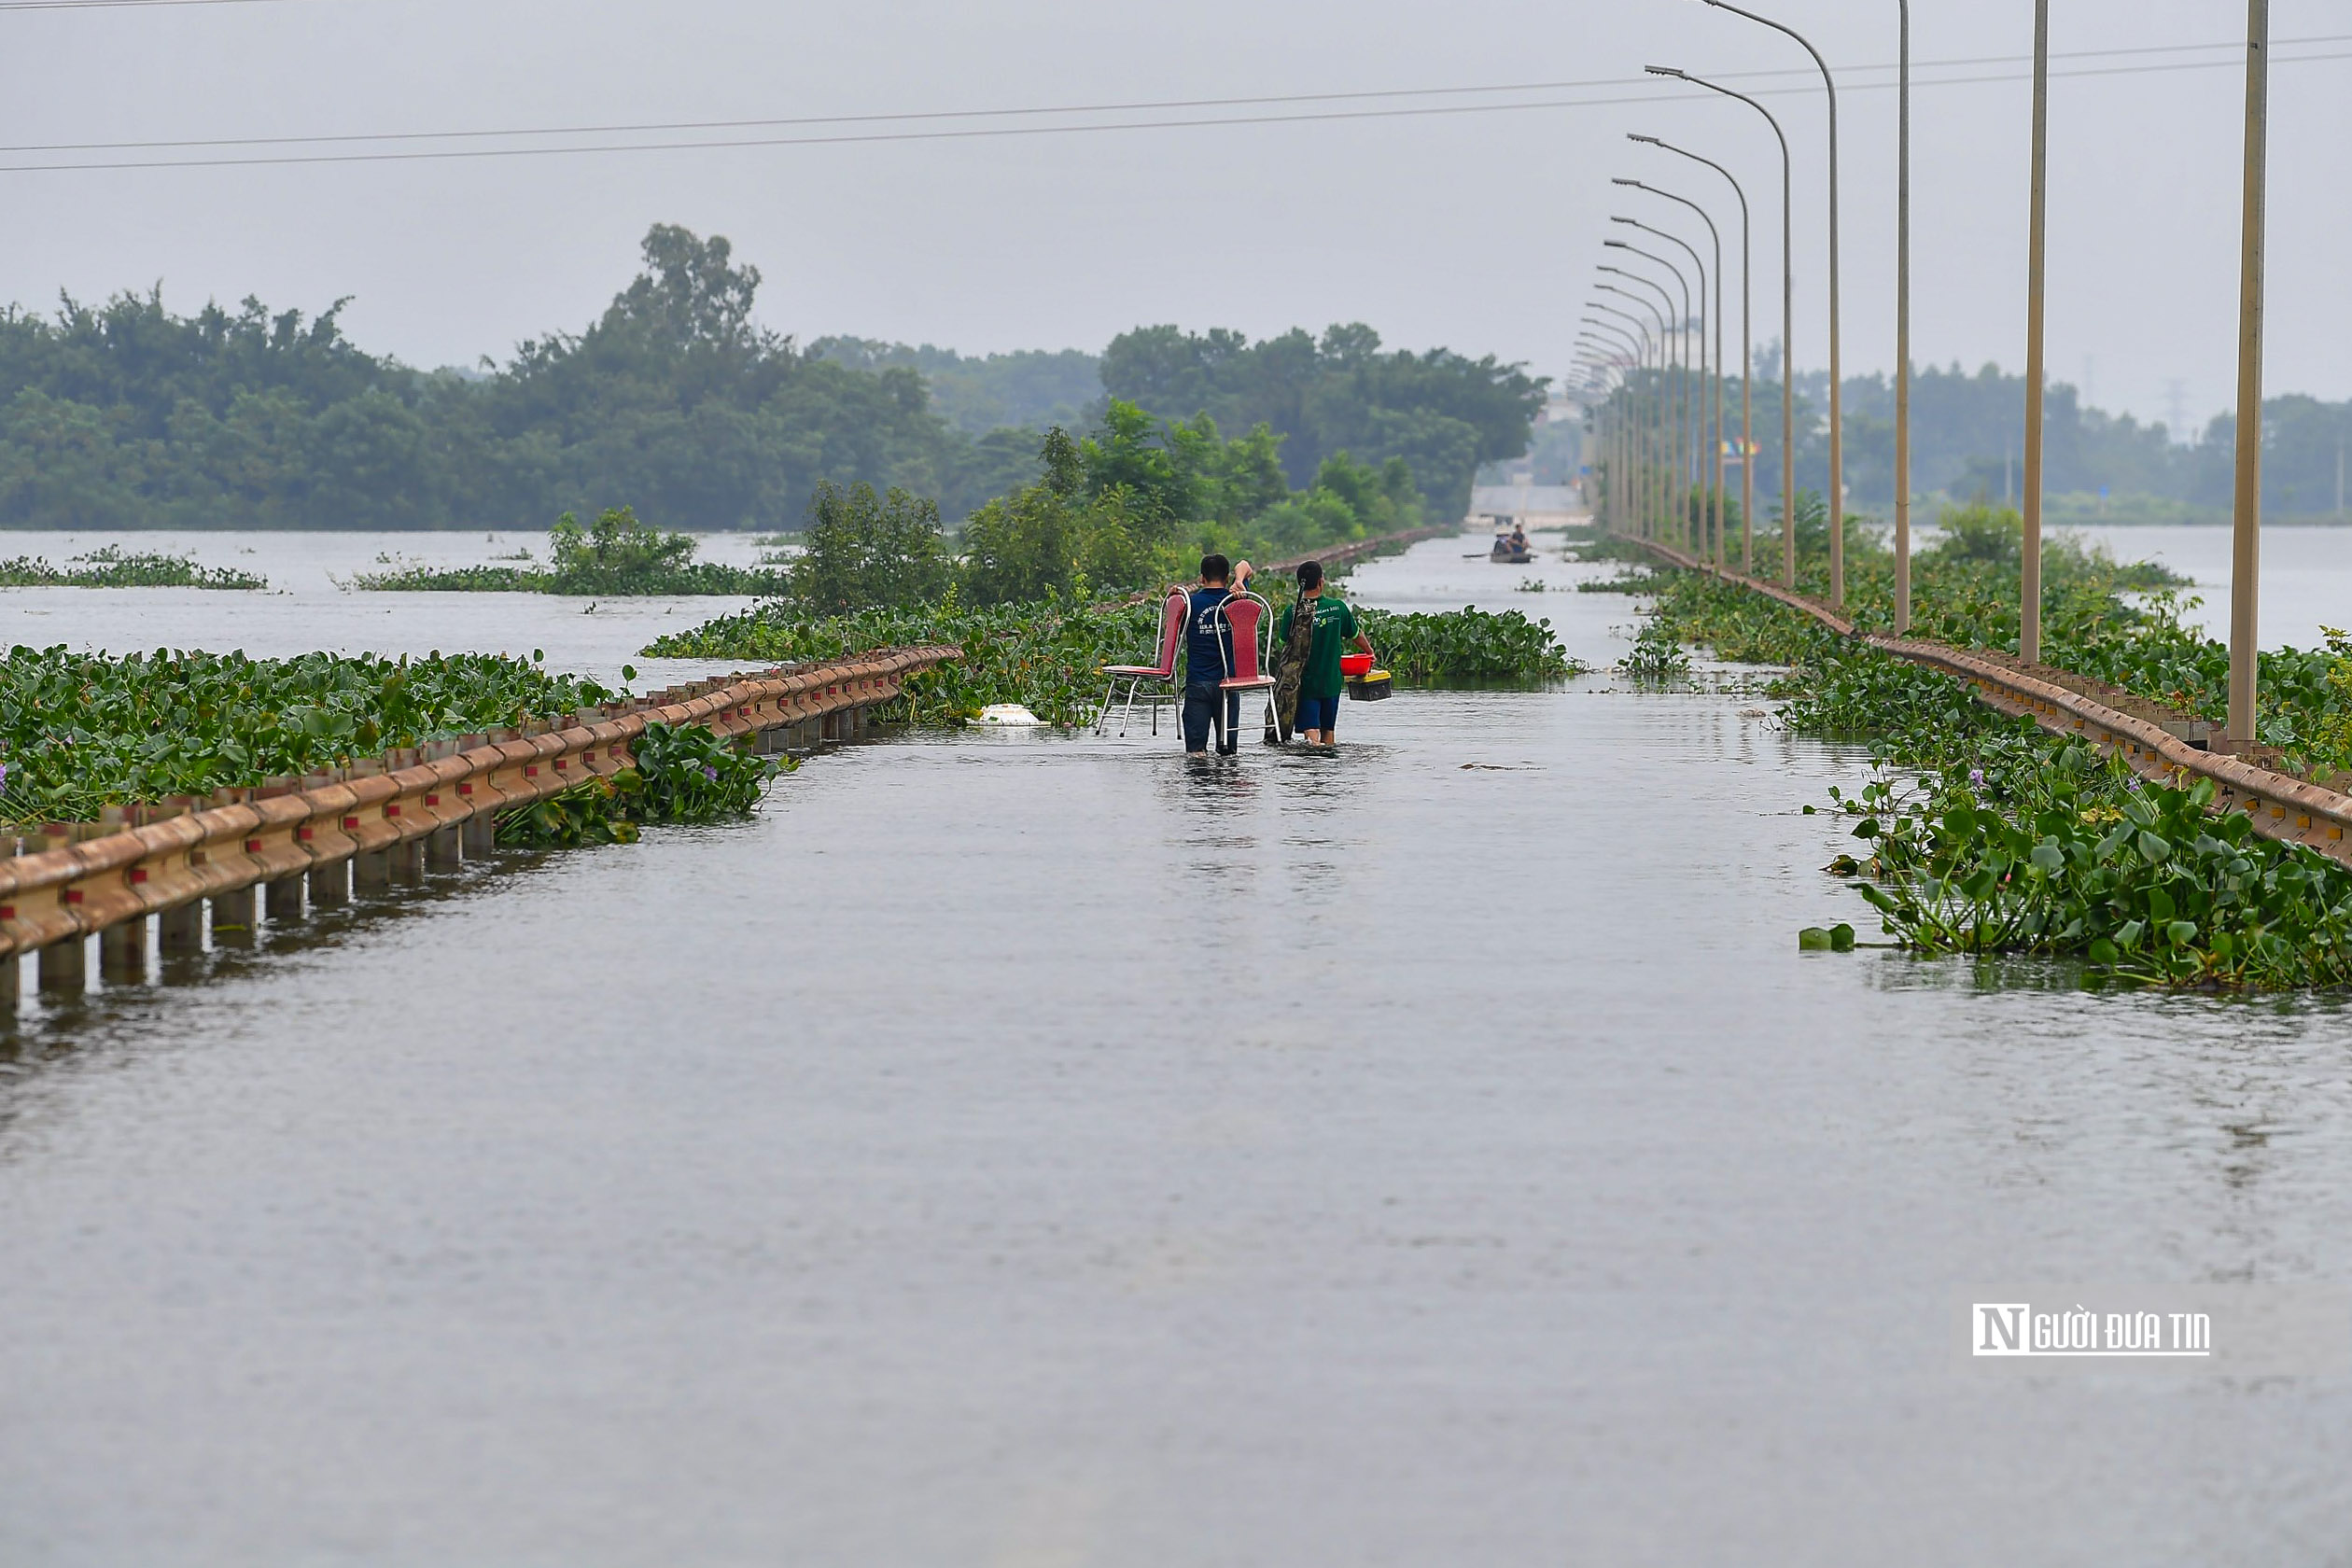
(679,403)
(1968,436)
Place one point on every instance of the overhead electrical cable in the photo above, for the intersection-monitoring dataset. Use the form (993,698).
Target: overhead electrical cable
(1137,107)
(126,5)
(1000,132)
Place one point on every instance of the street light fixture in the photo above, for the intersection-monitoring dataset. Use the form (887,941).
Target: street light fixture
(1671,403)
(1686,425)
(1788,324)
(1836,508)
(1698,416)
(1626,494)
(1747,335)
(1644,433)
(1714,463)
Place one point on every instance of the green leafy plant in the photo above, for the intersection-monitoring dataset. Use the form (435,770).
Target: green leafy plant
(690,774)
(82,731)
(107,566)
(615,556)
(601,811)
(1658,654)
(1982,834)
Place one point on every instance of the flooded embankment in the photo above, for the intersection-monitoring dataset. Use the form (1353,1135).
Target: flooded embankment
(1028,1147)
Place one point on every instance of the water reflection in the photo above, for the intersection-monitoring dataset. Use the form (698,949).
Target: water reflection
(1386,1159)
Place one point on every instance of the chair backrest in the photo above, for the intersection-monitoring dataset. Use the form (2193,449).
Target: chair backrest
(1248,622)
(1172,616)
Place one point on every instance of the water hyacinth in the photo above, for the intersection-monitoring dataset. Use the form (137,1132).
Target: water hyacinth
(83,731)
(1983,835)
(1048,657)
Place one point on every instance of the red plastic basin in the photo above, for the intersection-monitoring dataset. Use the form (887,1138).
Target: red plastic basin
(1356,665)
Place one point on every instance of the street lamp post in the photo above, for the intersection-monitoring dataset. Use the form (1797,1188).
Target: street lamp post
(1685,443)
(1608,387)
(2246,519)
(1669,415)
(1596,357)
(1788,326)
(1836,507)
(1637,492)
(1712,461)
(1747,463)
(1698,416)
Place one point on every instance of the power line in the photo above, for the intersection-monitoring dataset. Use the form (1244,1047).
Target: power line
(121,4)
(995,133)
(1140,107)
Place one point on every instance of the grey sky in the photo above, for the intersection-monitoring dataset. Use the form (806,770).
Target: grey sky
(1476,231)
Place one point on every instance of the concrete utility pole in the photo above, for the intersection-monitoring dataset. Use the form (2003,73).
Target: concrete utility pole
(1834,503)
(2245,523)
(1902,324)
(2029,599)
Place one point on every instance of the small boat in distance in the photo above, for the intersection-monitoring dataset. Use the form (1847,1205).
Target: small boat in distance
(1510,549)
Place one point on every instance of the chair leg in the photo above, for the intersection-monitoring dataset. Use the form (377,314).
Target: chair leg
(1104,716)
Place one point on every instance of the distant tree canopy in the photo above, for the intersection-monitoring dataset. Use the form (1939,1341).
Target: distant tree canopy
(1030,388)
(1968,438)
(677,402)
(1442,413)
(1139,501)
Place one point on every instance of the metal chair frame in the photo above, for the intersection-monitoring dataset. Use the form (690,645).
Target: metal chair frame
(1174,611)
(1261,678)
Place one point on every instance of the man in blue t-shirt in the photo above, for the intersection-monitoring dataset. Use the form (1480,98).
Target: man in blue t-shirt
(1207,655)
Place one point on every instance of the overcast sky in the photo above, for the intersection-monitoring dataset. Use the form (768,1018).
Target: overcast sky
(1475,230)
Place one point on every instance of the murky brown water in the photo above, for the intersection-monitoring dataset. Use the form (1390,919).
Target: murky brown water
(1027,1149)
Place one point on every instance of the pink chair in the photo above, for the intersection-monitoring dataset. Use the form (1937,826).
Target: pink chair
(1172,617)
(1249,647)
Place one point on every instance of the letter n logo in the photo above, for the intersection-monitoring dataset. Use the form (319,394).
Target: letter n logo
(1999,1328)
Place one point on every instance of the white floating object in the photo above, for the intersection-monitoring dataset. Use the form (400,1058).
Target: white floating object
(1011,715)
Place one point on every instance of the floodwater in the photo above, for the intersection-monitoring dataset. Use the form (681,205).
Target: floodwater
(1029,1149)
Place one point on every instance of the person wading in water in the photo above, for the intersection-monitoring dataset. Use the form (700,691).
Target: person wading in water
(1312,632)
(1207,655)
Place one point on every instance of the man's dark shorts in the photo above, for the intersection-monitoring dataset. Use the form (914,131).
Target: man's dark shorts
(1317,713)
(1200,711)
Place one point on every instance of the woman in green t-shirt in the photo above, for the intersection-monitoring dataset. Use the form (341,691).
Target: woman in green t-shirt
(1333,622)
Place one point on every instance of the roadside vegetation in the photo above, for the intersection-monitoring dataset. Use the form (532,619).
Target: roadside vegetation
(107,566)
(1983,835)
(1048,656)
(82,732)
(615,556)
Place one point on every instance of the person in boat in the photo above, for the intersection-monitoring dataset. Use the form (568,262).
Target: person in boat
(1333,624)
(1519,539)
(1208,654)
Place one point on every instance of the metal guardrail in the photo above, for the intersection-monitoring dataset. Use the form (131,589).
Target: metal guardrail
(82,879)
(2156,742)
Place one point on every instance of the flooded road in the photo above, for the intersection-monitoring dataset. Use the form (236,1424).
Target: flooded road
(1025,1148)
